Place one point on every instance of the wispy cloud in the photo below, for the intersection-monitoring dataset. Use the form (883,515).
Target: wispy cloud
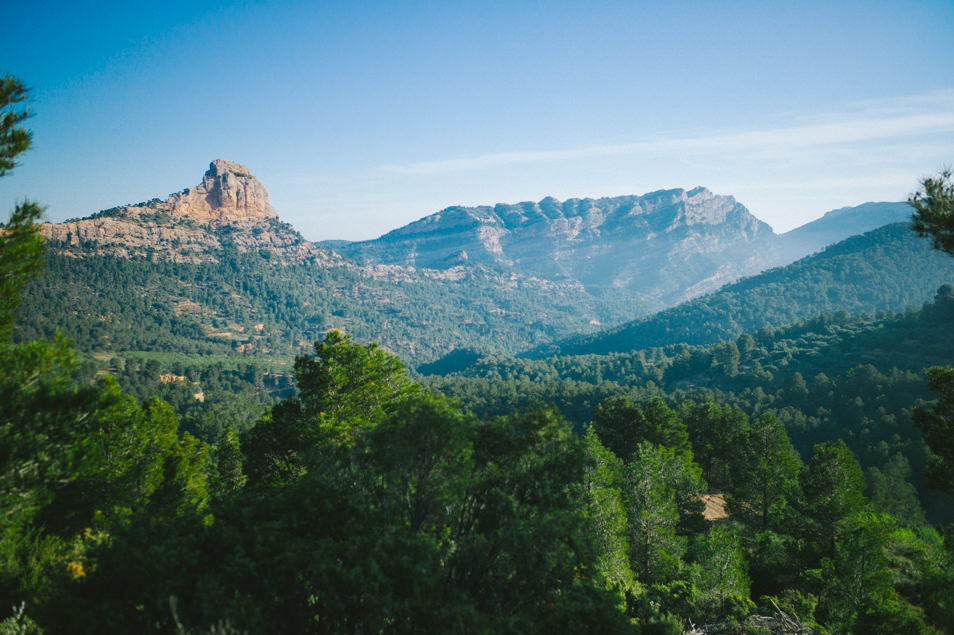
(901,179)
(311,179)
(897,120)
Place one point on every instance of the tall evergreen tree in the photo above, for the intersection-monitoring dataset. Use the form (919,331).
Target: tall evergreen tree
(934,210)
(14,138)
(934,217)
(21,246)
(765,474)
(937,426)
(833,487)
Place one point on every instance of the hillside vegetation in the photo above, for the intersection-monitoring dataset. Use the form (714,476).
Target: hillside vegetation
(887,269)
(244,304)
(833,377)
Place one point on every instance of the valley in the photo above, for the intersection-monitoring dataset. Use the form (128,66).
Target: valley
(230,293)
(229,277)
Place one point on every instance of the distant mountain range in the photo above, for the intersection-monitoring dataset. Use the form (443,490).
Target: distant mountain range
(213,269)
(663,247)
(838,225)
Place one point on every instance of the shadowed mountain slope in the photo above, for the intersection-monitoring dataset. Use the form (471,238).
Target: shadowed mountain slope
(886,269)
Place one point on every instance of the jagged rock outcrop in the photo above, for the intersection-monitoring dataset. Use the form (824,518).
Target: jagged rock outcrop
(230,208)
(141,233)
(228,192)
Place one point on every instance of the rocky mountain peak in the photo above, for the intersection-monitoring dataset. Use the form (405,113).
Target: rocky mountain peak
(655,245)
(228,192)
(229,208)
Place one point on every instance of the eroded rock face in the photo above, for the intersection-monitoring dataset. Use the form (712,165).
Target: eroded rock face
(229,208)
(666,245)
(228,192)
(142,233)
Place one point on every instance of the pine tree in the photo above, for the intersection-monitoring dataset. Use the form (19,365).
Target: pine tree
(14,139)
(934,210)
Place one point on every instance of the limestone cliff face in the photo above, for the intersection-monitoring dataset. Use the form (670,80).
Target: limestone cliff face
(142,233)
(230,208)
(228,192)
(665,245)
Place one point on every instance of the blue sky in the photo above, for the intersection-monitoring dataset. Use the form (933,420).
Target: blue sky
(360,117)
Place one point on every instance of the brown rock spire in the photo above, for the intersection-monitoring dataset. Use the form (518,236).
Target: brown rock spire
(228,192)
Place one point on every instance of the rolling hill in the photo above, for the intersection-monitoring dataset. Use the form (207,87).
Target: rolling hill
(887,269)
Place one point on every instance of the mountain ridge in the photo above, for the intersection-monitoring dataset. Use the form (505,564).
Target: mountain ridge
(663,247)
(837,225)
(654,245)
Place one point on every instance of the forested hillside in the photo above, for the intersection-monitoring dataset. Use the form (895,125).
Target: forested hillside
(887,269)
(245,304)
(363,502)
(837,225)
(833,377)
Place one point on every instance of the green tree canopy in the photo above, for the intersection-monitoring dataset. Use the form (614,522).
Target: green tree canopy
(342,388)
(14,139)
(716,433)
(934,210)
(934,217)
(21,246)
(721,577)
(621,425)
(662,493)
(937,426)
(833,485)
(766,470)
